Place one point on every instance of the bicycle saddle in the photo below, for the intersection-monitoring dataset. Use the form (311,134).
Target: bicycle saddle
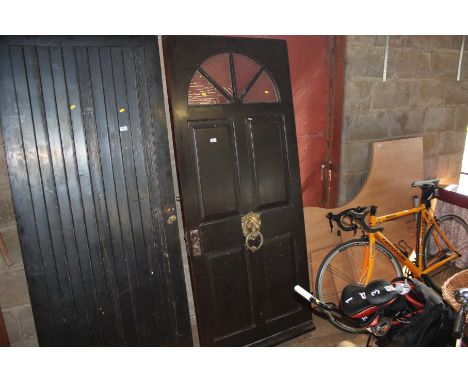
(364,302)
(425,183)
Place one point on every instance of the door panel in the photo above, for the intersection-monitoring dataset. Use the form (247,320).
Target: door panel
(231,296)
(270,161)
(280,271)
(88,161)
(237,156)
(217,180)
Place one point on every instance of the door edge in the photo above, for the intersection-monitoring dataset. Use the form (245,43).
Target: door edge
(180,225)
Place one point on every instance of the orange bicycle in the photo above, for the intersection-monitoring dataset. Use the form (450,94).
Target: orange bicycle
(440,242)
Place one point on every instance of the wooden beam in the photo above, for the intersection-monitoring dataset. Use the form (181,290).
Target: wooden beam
(4,340)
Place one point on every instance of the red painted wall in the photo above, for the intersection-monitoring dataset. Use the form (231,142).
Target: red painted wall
(309,67)
(310,81)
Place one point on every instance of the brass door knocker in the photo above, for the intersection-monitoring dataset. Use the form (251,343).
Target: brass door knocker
(251,225)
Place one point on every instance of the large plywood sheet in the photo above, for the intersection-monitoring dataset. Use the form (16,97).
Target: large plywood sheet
(395,165)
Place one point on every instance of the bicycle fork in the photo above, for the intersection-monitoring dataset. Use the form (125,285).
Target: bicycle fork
(369,260)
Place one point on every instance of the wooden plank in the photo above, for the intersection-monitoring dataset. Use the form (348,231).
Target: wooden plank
(118,255)
(27,107)
(78,41)
(97,284)
(110,80)
(75,156)
(134,99)
(107,288)
(138,263)
(74,228)
(176,291)
(22,200)
(62,226)
(156,256)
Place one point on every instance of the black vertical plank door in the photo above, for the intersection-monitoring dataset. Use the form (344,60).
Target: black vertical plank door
(86,143)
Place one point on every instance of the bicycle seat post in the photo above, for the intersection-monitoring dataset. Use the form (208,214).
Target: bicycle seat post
(461,295)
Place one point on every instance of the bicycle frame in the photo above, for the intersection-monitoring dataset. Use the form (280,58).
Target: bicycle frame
(425,219)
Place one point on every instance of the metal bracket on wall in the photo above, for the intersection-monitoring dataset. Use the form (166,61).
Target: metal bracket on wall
(384,75)
(462,48)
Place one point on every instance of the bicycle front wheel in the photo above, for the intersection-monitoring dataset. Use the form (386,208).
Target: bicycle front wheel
(455,230)
(344,265)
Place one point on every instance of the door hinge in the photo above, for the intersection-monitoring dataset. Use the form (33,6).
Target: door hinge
(195,242)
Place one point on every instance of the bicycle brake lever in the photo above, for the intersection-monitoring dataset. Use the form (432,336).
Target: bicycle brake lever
(330,216)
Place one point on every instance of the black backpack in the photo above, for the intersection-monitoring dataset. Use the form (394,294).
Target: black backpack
(432,327)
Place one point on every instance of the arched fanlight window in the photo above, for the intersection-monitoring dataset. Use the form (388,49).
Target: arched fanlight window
(220,80)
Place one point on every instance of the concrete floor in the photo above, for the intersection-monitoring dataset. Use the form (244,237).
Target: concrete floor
(325,334)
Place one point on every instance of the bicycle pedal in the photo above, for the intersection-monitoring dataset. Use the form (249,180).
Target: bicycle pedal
(382,327)
(407,273)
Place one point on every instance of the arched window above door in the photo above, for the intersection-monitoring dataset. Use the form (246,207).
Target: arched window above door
(224,77)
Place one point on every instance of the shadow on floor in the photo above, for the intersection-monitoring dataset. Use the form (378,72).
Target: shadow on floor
(325,334)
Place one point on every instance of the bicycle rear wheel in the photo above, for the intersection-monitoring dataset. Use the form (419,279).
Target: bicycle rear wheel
(455,230)
(343,266)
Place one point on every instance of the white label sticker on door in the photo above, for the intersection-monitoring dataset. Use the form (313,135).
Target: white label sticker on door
(213,140)
(123,128)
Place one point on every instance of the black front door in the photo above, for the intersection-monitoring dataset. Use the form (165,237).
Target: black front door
(236,149)
(88,157)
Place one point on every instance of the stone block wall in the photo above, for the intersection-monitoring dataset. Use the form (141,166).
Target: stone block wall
(14,295)
(421,97)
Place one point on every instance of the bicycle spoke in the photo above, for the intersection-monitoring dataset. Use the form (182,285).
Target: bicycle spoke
(353,263)
(343,267)
(331,296)
(451,240)
(344,276)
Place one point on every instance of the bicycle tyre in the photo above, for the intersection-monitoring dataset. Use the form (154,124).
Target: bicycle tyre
(453,227)
(386,265)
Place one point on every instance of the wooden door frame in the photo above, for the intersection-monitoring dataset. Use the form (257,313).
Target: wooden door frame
(176,185)
(337,51)
(4,340)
